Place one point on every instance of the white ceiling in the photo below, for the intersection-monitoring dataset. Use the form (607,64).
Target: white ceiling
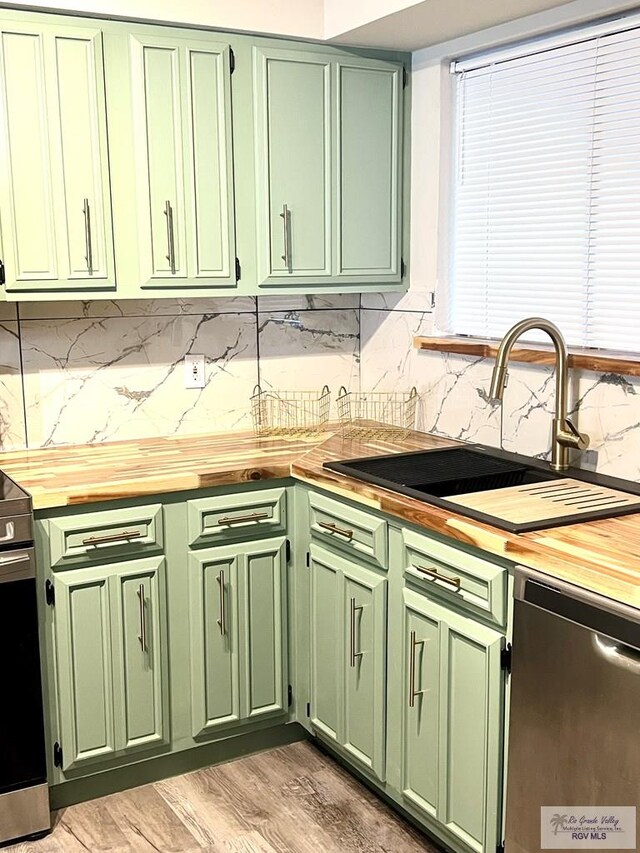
(411,26)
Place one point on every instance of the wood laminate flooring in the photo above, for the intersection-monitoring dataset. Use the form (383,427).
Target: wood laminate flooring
(293,799)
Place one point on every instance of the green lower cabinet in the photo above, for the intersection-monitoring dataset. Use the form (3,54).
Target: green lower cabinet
(110,660)
(237,615)
(348,656)
(452,721)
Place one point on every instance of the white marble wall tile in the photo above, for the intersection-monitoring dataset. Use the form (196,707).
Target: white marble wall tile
(8,311)
(12,427)
(112,378)
(315,302)
(304,350)
(528,409)
(452,390)
(73,309)
(414,299)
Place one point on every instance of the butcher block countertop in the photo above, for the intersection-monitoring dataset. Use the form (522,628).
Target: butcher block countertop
(603,556)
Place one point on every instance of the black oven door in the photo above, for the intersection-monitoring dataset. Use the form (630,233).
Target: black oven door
(22,745)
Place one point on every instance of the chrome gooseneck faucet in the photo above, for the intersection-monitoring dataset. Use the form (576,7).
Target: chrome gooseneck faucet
(565,434)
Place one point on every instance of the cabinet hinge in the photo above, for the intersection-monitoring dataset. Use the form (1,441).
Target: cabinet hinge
(308,709)
(232,60)
(290,695)
(49,593)
(405,77)
(3,277)
(505,657)
(238,270)
(403,268)
(287,550)
(57,754)
(308,559)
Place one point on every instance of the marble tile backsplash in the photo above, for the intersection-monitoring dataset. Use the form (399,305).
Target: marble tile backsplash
(82,372)
(78,372)
(454,398)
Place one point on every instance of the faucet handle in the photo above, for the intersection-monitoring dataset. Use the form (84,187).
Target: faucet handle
(570,436)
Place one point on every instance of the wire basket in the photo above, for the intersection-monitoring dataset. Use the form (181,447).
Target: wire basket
(296,413)
(377,414)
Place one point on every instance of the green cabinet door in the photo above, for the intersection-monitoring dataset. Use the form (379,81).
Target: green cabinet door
(368,171)
(453,688)
(364,611)
(262,586)
(181,93)
(327,643)
(140,655)
(84,667)
(420,704)
(471,711)
(213,605)
(237,624)
(292,110)
(55,200)
(110,662)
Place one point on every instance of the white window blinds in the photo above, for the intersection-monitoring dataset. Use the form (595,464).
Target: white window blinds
(547,193)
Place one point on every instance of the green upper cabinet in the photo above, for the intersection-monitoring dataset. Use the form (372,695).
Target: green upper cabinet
(110,646)
(181,107)
(293,164)
(368,126)
(328,154)
(55,198)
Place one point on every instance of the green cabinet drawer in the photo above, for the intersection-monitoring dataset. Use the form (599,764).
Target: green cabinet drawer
(110,534)
(220,518)
(473,584)
(351,530)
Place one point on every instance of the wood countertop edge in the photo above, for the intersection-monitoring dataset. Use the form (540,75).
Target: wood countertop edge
(562,560)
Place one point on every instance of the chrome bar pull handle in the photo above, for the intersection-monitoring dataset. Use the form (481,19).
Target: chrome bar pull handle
(286,228)
(413,644)
(171,246)
(353,654)
(142,636)
(87,236)
(454,582)
(222,622)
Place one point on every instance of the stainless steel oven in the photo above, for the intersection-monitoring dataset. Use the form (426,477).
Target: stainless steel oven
(24,795)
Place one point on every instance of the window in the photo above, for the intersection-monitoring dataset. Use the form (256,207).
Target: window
(547,190)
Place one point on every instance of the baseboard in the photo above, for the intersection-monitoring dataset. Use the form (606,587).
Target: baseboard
(164,766)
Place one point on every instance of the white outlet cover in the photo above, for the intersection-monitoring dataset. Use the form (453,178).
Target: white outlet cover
(194,375)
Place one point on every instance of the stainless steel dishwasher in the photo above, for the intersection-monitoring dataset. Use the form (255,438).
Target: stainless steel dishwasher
(574,732)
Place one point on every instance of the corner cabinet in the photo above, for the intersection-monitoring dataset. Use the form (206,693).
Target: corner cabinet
(55,195)
(181,107)
(348,657)
(328,156)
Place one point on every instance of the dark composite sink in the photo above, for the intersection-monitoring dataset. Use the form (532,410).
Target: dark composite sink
(435,475)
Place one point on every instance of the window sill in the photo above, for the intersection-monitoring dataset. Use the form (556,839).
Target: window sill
(599,361)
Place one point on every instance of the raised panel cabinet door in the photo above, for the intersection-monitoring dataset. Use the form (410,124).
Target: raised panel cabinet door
(368,171)
(421,758)
(140,652)
(214,639)
(55,198)
(327,643)
(83,656)
(263,660)
(182,138)
(364,611)
(293,165)
(471,712)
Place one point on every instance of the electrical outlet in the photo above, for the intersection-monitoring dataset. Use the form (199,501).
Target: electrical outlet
(194,371)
